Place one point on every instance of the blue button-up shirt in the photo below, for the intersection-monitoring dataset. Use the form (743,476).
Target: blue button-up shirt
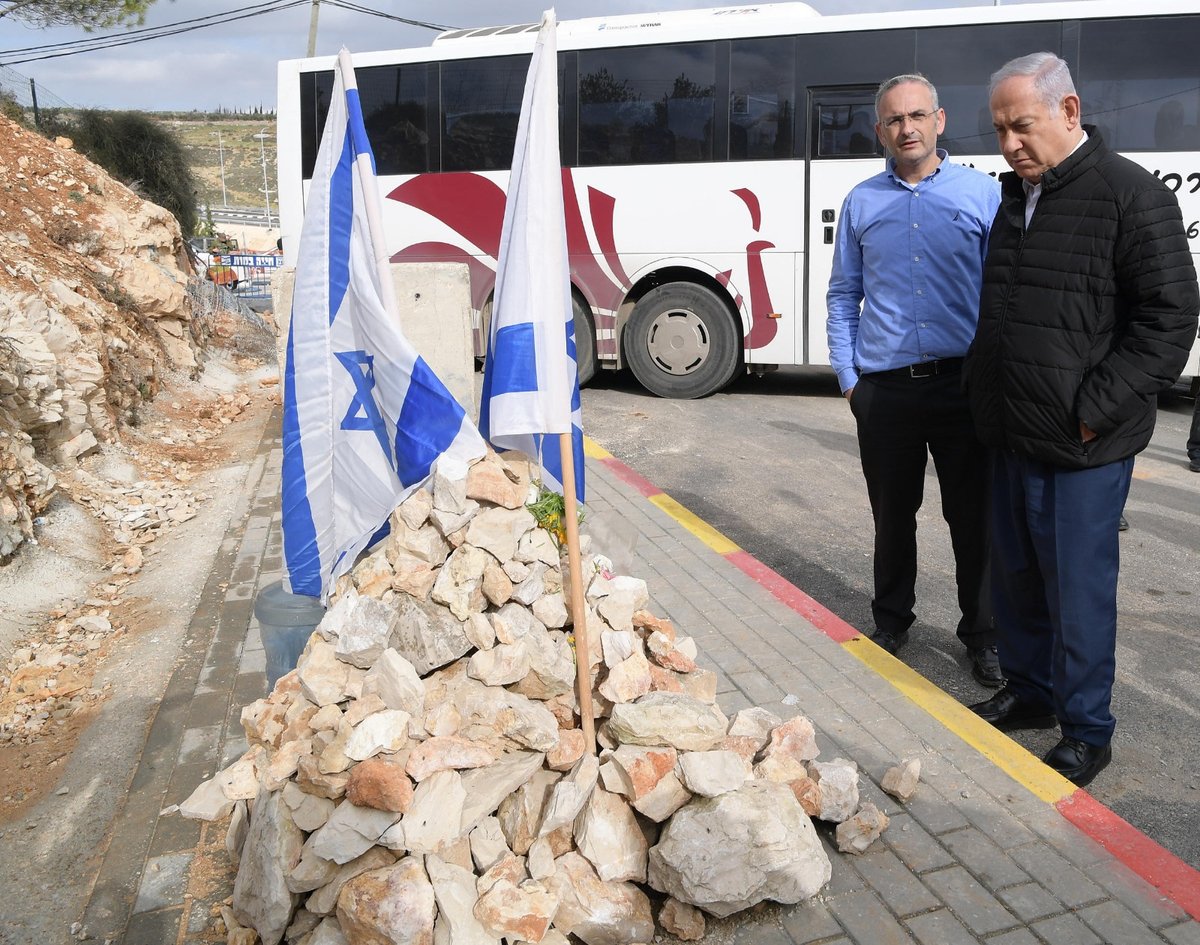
(907,269)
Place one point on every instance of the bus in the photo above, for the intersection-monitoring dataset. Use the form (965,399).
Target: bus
(706,154)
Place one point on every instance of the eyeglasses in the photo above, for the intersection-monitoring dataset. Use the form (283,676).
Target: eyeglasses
(897,121)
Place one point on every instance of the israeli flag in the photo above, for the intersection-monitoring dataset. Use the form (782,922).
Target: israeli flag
(531,381)
(365,420)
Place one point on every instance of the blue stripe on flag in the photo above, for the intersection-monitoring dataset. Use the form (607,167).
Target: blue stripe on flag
(341,219)
(514,362)
(549,445)
(357,128)
(429,421)
(300,537)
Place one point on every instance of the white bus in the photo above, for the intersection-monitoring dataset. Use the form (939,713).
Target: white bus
(706,153)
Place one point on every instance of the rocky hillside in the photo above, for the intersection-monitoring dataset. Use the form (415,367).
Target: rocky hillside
(94,312)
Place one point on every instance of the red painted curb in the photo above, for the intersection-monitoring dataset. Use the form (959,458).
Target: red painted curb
(628,476)
(1159,867)
(784,590)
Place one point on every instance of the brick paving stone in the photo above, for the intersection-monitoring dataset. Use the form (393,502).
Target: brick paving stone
(990,865)
(973,904)
(1029,902)
(896,885)
(1150,905)
(867,921)
(163,882)
(760,931)
(940,928)
(1186,933)
(988,814)
(915,845)
(757,688)
(1067,930)
(1059,877)
(845,878)
(199,744)
(1113,922)
(1015,937)
(810,922)
(153,928)
(174,834)
(936,814)
(209,707)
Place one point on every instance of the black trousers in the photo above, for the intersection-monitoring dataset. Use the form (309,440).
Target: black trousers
(902,421)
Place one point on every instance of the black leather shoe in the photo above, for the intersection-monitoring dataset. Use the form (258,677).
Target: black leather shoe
(1078,761)
(1194,463)
(891,642)
(985,666)
(1007,712)
(1123,524)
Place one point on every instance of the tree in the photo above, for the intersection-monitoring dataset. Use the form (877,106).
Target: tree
(141,153)
(90,14)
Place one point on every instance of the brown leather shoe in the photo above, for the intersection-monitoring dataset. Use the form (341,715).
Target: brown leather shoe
(1008,711)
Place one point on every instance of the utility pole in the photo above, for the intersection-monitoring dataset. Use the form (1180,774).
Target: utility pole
(37,118)
(312,28)
(221,154)
(262,147)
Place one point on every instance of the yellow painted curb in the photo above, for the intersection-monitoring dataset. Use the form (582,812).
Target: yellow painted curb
(594,450)
(989,741)
(698,527)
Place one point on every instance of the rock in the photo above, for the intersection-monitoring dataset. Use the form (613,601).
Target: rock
(635,771)
(644,620)
(901,780)
(358,627)
(450,490)
(505,663)
(664,653)
(487,787)
(324,900)
(618,598)
(414,511)
(427,636)
(312,872)
(628,680)
(769,850)
(518,912)
(488,482)
(497,586)
(711,773)
(754,723)
(413,576)
(373,576)
(380,784)
(459,584)
(389,906)
(479,632)
(327,933)
(533,588)
(619,645)
(664,800)
(394,679)
(310,777)
(442,753)
(488,845)
(570,748)
(537,546)
(434,820)
(309,812)
(570,794)
(454,891)
(596,912)
(838,783)
(207,802)
(608,835)
(540,859)
(667,719)
(780,767)
(322,675)
(425,543)
(383,731)
(350,832)
(520,813)
(808,793)
(685,922)
(512,621)
(551,609)
(498,530)
(261,898)
(860,831)
(700,684)
(795,737)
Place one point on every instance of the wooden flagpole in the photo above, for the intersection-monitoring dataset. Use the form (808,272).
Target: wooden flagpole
(583,675)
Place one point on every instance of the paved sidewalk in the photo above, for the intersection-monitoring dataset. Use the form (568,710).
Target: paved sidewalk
(982,853)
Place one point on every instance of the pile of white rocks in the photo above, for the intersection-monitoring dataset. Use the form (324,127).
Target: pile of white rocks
(422,777)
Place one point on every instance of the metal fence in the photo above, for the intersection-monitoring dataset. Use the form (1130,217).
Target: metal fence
(247,275)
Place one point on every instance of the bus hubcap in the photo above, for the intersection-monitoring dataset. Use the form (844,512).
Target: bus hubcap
(678,341)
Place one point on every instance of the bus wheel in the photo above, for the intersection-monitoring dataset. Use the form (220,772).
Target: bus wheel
(681,342)
(585,341)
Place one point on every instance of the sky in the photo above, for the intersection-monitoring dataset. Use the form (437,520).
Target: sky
(233,64)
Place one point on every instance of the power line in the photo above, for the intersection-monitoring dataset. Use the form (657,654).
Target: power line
(355,8)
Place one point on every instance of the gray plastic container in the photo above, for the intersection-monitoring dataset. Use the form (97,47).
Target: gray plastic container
(285,621)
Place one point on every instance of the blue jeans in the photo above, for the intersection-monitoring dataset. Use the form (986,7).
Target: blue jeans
(1055,558)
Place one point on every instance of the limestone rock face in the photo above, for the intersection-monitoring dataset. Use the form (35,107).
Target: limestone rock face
(389,906)
(769,850)
(261,897)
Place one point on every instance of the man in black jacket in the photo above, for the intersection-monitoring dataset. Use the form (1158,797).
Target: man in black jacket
(1088,310)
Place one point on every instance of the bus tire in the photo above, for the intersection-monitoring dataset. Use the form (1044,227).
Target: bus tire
(585,341)
(682,342)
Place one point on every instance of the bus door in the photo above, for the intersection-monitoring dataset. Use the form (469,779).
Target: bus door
(843,150)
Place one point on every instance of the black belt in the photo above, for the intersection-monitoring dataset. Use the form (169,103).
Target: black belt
(924,369)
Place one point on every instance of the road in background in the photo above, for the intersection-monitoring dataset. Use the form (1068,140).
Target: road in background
(772,462)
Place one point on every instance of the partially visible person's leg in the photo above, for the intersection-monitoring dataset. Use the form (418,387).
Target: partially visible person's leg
(1193,443)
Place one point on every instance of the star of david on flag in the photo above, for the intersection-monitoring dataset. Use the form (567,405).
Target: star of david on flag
(365,420)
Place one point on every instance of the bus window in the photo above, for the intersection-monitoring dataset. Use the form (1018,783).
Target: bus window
(481,102)
(959,61)
(647,105)
(762,83)
(1139,82)
(846,129)
(394,100)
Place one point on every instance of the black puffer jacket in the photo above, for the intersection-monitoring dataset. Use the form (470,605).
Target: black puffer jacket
(1086,316)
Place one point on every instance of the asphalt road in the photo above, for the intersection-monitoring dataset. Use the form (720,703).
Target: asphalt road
(772,462)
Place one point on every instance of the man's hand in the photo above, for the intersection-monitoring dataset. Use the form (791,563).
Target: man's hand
(1086,433)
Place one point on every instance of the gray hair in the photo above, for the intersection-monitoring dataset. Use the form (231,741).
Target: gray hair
(1051,76)
(889,84)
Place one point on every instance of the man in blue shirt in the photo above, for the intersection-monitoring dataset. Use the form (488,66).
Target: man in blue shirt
(903,303)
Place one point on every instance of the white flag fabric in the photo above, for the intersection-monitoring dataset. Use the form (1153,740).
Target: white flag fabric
(531,380)
(365,419)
